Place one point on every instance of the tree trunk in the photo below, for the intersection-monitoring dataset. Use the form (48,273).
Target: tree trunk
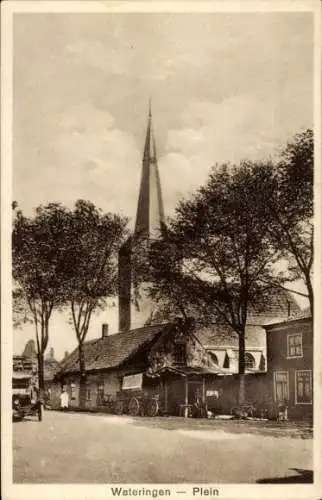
(82,379)
(310,292)
(241,367)
(41,381)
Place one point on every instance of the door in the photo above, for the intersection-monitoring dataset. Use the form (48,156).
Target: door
(195,388)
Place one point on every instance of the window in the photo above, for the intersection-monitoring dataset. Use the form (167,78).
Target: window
(249,361)
(180,354)
(100,394)
(281,384)
(294,346)
(303,387)
(73,391)
(88,394)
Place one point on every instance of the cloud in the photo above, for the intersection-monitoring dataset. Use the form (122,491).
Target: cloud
(224,87)
(89,158)
(240,127)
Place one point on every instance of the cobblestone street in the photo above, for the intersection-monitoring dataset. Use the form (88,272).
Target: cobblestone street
(85,448)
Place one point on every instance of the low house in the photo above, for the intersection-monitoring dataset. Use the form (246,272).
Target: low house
(289,379)
(166,359)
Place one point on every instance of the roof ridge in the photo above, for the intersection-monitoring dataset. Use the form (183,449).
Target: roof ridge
(114,351)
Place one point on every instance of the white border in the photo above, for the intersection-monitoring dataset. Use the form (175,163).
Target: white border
(55,492)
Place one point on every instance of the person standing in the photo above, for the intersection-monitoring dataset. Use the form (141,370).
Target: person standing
(64,399)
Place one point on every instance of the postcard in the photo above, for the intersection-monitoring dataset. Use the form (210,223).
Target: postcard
(161,249)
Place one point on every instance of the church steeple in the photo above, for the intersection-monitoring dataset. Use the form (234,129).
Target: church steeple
(150,212)
(135,305)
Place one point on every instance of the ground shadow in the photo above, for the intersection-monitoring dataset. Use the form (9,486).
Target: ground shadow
(302,476)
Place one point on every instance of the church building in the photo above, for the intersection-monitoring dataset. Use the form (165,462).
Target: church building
(172,359)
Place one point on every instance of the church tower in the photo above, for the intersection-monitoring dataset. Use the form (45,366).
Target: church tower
(135,307)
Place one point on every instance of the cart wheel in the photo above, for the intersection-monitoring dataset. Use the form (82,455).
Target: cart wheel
(119,407)
(153,408)
(39,412)
(134,407)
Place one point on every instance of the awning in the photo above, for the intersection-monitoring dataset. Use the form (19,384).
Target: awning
(257,356)
(231,354)
(220,355)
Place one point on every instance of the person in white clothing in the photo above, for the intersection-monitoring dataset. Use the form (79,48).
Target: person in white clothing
(64,400)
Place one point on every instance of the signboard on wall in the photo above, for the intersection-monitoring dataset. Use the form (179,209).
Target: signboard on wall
(132,381)
(212,394)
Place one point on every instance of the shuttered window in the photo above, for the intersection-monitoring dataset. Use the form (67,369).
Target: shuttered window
(294,346)
(100,394)
(303,387)
(281,381)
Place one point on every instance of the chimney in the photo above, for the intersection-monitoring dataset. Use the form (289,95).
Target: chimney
(104,330)
(66,355)
(51,353)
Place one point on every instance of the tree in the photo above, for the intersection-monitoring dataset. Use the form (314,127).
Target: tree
(88,270)
(216,258)
(291,209)
(36,258)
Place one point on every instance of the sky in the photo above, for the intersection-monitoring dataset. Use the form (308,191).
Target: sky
(224,87)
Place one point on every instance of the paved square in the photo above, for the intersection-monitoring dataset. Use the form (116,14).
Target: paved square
(85,448)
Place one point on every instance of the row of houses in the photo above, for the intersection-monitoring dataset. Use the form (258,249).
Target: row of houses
(171,361)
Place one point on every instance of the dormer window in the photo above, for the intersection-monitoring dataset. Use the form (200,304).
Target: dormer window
(294,346)
(180,354)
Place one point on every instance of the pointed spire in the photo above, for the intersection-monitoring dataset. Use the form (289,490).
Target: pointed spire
(150,112)
(149,148)
(150,213)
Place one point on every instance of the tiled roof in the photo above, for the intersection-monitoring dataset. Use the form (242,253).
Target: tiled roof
(303,314)
(223,335)
(276,308)
(278,305)
(113,350)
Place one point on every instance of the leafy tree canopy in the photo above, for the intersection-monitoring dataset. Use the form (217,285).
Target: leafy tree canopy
(291,209)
